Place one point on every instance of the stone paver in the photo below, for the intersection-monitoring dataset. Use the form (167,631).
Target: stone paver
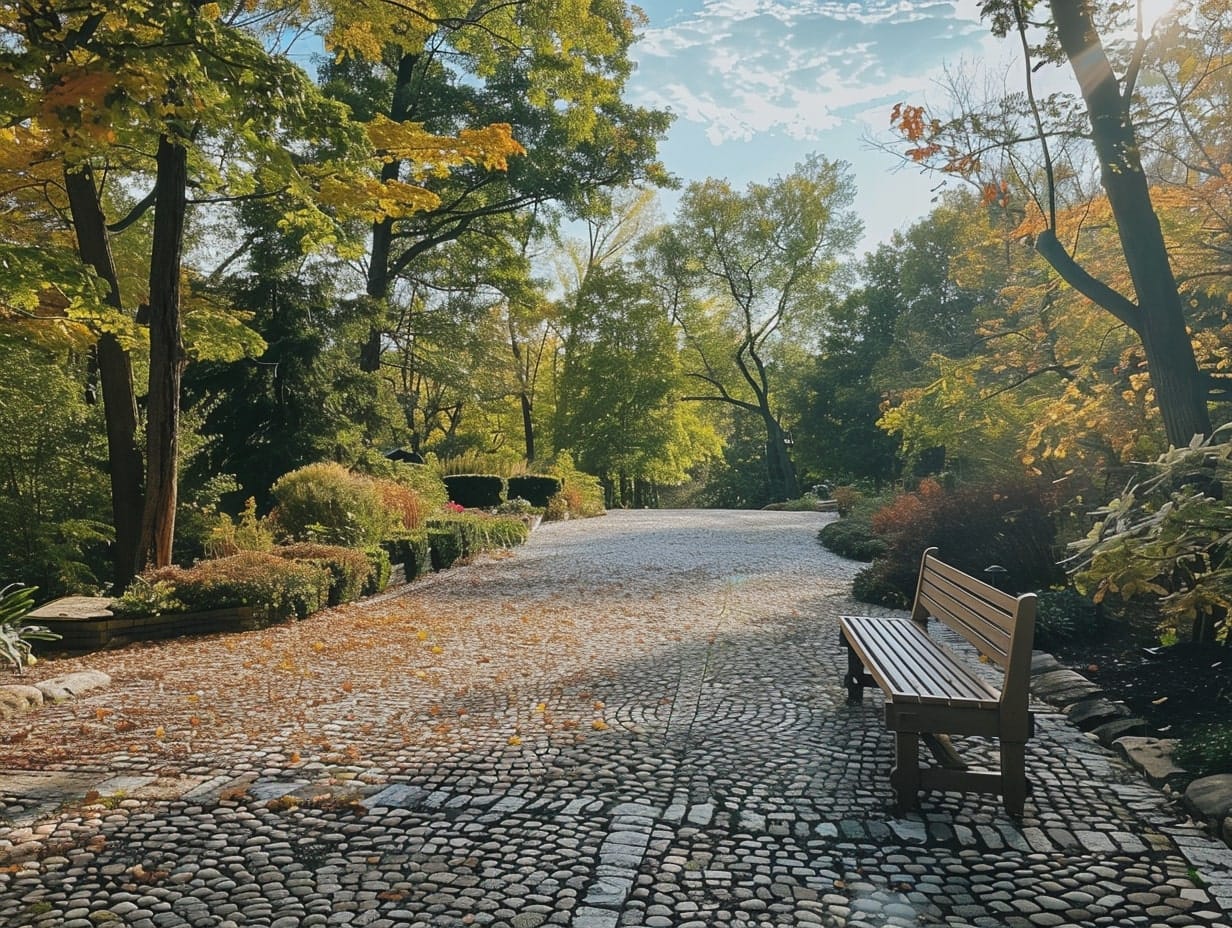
(632,721)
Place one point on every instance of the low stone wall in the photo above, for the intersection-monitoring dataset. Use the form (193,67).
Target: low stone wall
(86,624)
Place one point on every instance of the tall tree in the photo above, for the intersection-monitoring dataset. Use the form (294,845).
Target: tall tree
(1154,312)
(747,269)
(554,72)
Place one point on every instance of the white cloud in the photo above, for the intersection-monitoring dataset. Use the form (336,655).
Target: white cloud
(740,68)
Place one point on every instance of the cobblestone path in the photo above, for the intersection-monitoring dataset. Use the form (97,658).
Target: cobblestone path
(635,720)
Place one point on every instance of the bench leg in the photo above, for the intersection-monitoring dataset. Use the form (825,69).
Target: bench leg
(905,777)
(855,673)
(1013,776)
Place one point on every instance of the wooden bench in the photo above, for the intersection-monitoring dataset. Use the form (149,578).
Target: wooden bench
(931,693)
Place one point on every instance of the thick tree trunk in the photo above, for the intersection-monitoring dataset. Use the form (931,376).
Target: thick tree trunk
(166,353)
(115,371)
(1179,386)
(780,471)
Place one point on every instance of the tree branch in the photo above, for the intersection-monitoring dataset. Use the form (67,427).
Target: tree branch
(1098,292)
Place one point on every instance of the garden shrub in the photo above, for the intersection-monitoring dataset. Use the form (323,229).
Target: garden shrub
(536,489)
(516,506)
(1206,751)
(410,549)
(580,496)
(145,598)
(444,545)
(251,578)
(406,510)
(425,480)
(1167,535)
(846,499)
(228,536)
(348,568)
(475,491)
(16,634)
(379,569)
(973,527)
(853,538)
(874,584)
(1063,617)
(327,503)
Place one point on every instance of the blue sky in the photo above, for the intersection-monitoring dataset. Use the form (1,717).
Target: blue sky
(758,84)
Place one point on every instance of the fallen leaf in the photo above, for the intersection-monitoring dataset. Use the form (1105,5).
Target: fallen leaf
(101,714)
(599,725)
(1160,701)
(160,732)
(437,649)
(597,704)
(194,721)
(515,740)
(294,758)
(347,686)
(541,707)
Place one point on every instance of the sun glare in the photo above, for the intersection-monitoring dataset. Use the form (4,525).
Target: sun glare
(1153,11)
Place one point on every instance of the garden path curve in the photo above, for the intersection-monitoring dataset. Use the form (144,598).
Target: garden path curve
(634,720)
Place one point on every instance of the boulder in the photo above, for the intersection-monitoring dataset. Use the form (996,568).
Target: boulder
(1210,797)
(1094,711)
(1043,662)
(70,685)
(1108,732)
(1153,756)
(16,698)
(1061,687)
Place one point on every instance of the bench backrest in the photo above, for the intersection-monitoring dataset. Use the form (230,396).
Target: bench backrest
(999,625)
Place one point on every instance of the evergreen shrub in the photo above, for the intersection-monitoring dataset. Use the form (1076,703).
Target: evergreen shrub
(379,569)
(410,549)
(1207,751)
(250,578)
(445,546)
(475,491)
(348,568)
(329,504)
(536,489)
(853,538)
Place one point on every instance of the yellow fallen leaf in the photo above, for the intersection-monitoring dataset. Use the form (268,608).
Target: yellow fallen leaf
(318,646)
(437,649)
(421,635)
(160,732)
(541,707)
(515,740)
(599,725)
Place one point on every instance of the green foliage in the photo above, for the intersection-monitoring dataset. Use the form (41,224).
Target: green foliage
(425,481)
(475,491)
(329,504)
(534,489)
(974,527)
(853,538)
(1167,535)
(877,584)
(581,494)
(479,532)
(54,505)
(379,569)
(247,533)
(16,602)
(410,549)
(349,569)
(1063,617)
(517,506)
(1207,751)
(146,598)
(251,578)
(445,544)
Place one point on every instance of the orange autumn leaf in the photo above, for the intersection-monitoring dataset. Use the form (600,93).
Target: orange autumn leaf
(347,686)
(101,714)
(194,721)
(294,758)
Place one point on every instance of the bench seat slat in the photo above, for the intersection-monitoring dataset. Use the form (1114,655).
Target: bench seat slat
(912,667)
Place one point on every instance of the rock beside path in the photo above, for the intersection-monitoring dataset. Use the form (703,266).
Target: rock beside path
(16,698)
(70,685)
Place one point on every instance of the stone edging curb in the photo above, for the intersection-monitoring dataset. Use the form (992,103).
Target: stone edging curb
(18,698)
(1110,722)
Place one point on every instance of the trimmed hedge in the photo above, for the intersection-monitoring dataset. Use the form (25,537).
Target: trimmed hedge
(445,546)
(853,538)
(379,569)
(251,578)
(411,551)
(348,569)
(536,489)
(476,491)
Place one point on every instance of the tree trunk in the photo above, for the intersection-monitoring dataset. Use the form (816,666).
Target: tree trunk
(780,471)
(115,371)
(383,231)
(166,353)
(1179,386)
(528,425)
